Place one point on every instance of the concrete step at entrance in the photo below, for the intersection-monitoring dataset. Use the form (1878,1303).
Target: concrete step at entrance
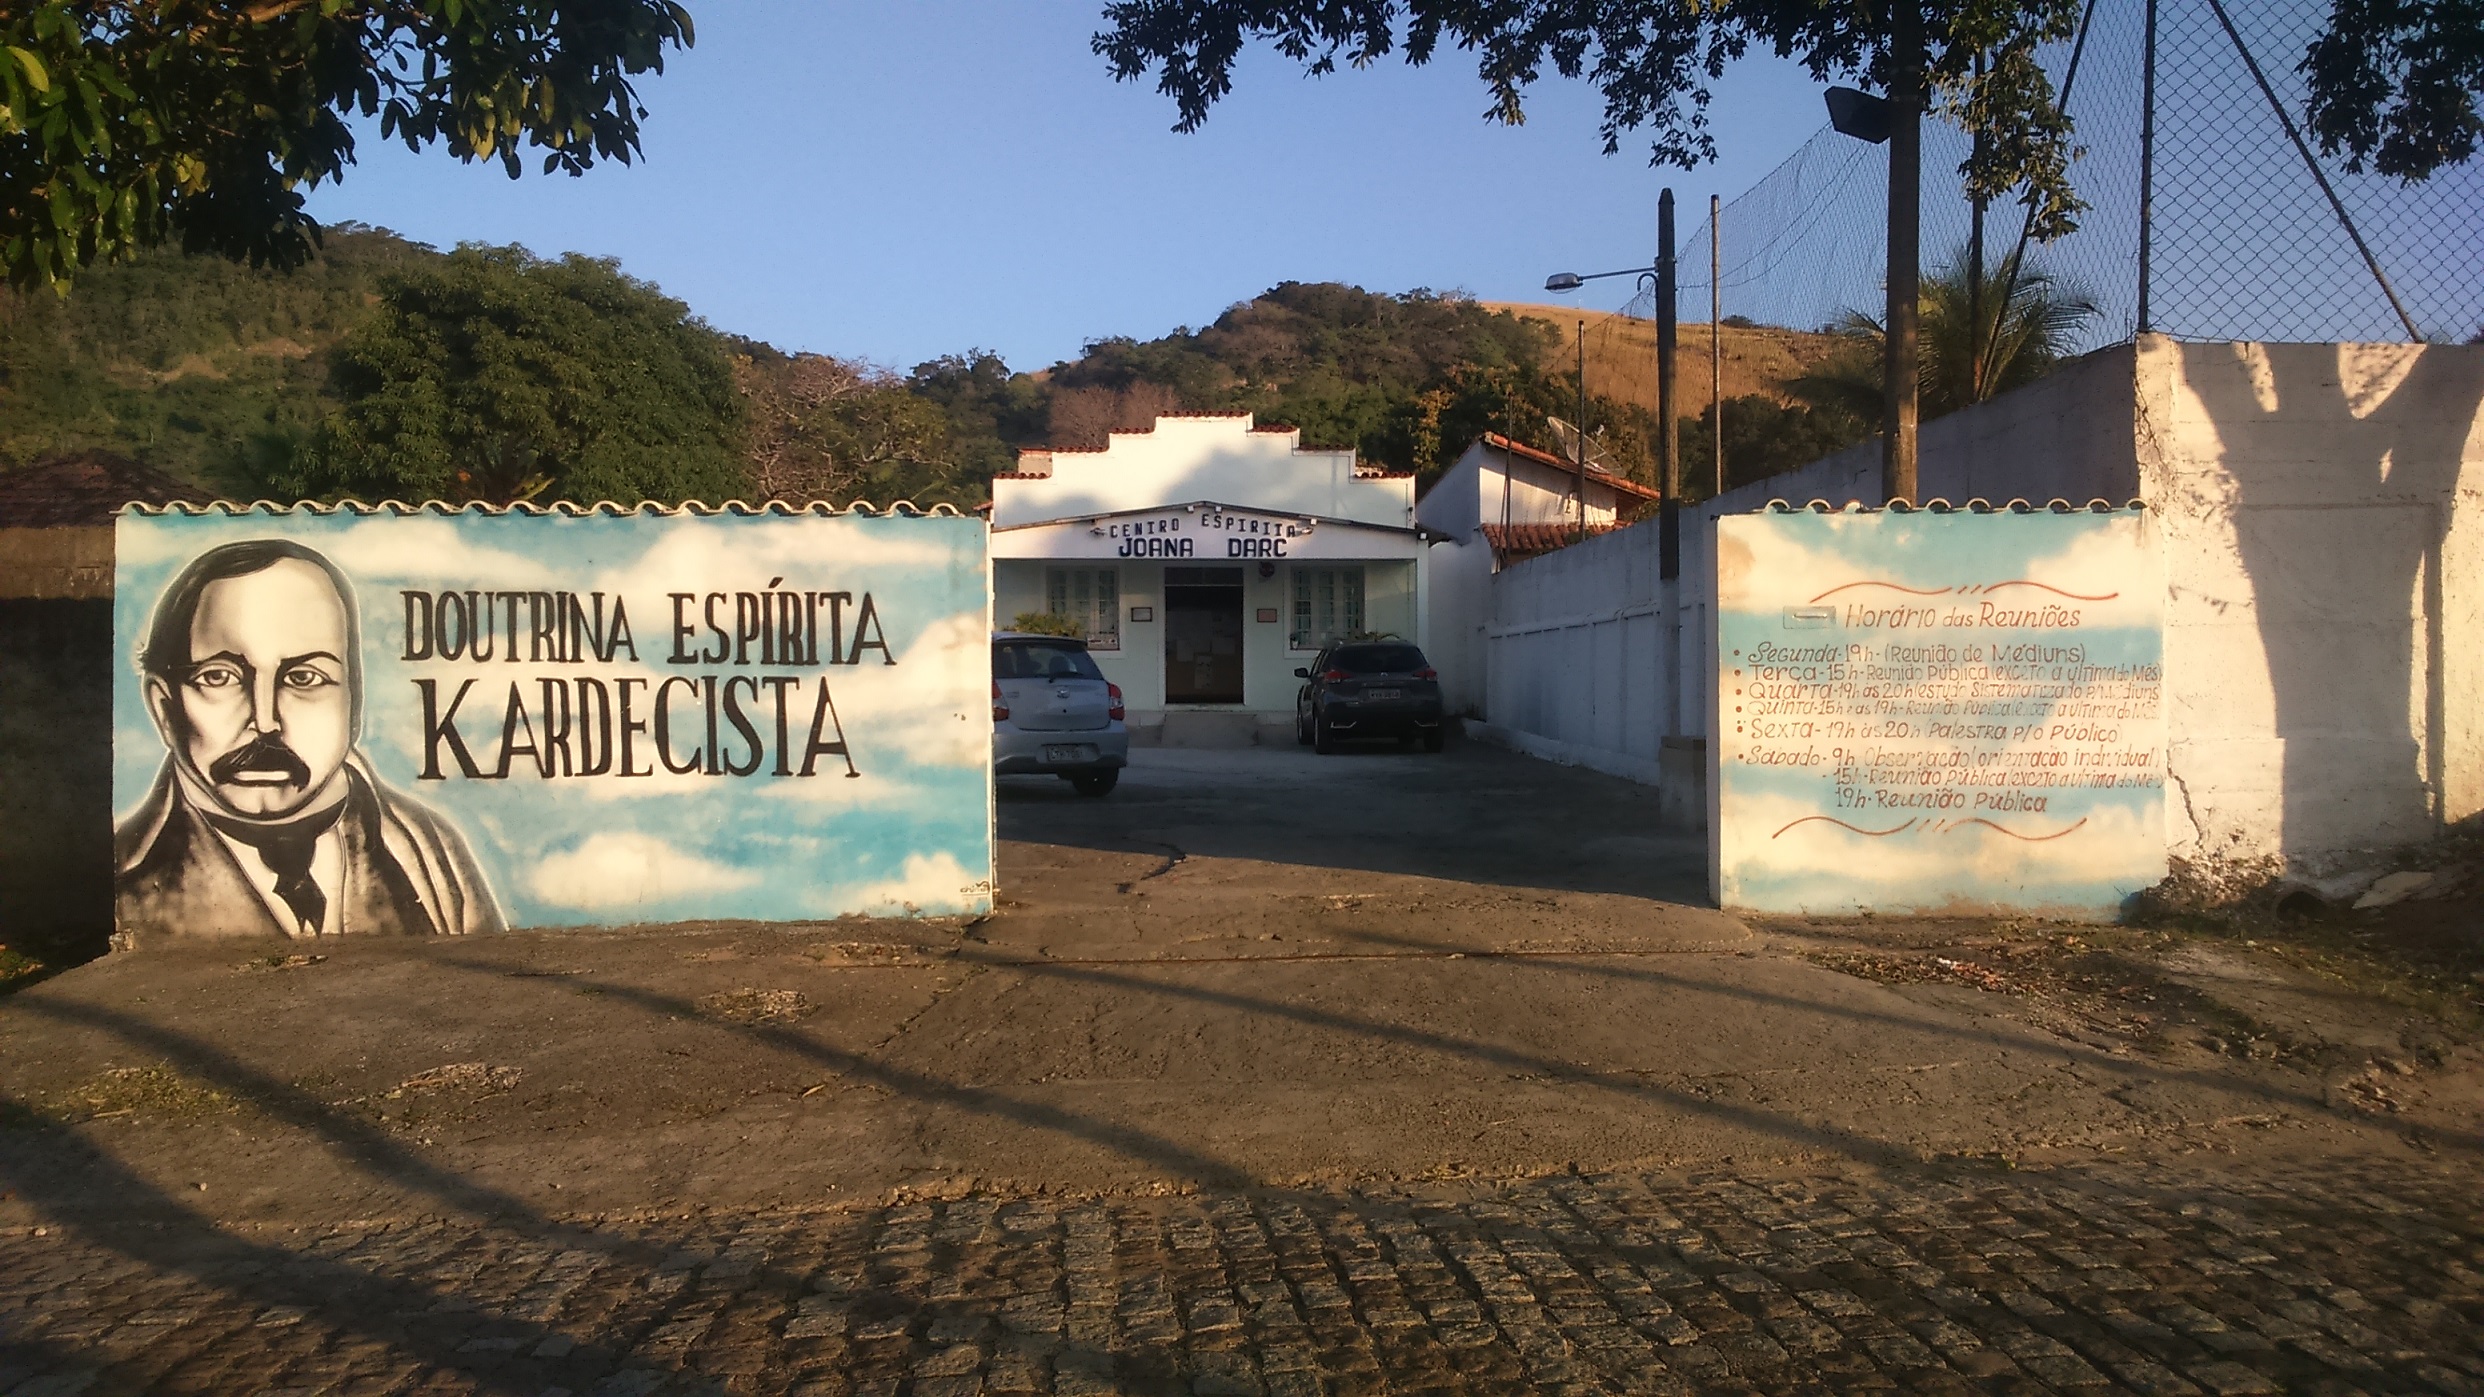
(1211,730)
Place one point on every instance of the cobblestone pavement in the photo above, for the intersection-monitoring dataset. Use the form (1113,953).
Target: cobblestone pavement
(2129,1278)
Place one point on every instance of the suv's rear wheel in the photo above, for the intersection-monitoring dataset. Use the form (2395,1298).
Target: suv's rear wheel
(1432,739)
(1322,741)
(1096,783)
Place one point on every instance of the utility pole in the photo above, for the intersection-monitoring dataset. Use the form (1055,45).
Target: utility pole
(1975,271)
(1716,343)
(2147,170)
(1897,441)
(1582,431)
(1668,424)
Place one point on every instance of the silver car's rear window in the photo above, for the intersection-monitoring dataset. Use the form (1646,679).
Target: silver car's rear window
(1033,659)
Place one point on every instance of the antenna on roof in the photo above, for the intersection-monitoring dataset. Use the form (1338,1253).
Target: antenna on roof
(1566,437)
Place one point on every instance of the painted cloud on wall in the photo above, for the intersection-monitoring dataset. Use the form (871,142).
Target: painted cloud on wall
(795,726)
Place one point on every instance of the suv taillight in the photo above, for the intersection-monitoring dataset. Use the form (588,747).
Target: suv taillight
(1115,712)
(1427,673)
(1332,676)
(1000,706)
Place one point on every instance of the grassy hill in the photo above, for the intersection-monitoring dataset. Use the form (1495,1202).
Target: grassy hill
(219,375)
(186,363)
(1621,355)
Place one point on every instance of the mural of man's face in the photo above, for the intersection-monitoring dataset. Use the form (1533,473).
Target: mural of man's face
(263,710)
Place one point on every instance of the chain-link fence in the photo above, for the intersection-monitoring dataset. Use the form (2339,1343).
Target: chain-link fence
(2246,244)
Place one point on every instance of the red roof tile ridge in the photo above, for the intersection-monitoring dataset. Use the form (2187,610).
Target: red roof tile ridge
(1601,475)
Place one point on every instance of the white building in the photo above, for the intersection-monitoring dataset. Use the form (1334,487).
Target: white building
(1504,501)
(1207,559)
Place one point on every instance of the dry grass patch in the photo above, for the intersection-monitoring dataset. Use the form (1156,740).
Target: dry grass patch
(755,1006)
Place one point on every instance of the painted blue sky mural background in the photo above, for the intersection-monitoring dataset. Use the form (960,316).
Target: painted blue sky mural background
(2084,854)
(912,832)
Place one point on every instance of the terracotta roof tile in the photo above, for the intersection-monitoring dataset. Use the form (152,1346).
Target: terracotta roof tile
(1595,473)
(1531,539)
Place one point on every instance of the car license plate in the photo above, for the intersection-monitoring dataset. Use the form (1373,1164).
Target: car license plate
(1383,693)
(1069,754)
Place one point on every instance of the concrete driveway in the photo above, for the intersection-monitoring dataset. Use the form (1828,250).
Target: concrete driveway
(1242,968)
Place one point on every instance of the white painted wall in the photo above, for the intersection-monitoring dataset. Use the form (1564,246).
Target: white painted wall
(2324,507)
(1186,459)
(1468,496)
(1224,459)
(2323,510)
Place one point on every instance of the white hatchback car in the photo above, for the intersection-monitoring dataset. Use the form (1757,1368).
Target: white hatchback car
(1054,713)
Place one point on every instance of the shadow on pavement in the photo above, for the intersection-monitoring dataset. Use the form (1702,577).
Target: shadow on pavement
(1471,814)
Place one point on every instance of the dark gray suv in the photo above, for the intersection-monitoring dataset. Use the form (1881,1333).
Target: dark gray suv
(1368,688)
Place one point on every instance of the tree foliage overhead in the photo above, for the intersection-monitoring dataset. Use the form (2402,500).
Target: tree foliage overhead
(1653,61)
(2399,84)
(496,375)
(129,123)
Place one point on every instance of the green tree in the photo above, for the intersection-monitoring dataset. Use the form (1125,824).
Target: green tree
(2399,83)
(1653,61)
(991,411)
(128,123)
(822,428)
(1764,437)
(2395,80)
(500,376)
(2022,341)
(196,365)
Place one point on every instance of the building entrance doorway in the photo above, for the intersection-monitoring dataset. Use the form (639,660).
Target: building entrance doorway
(1203,635)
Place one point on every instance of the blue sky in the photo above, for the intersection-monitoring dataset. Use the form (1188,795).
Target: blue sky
(895,181)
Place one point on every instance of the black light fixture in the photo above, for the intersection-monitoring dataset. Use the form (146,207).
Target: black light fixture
(1571,281)
(1859,114)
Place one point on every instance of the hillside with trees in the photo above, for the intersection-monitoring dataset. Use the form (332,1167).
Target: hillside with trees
(383,368)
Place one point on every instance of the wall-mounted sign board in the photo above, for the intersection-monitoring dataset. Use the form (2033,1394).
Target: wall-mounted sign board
(440,722)
(1201,532)
(1923,713)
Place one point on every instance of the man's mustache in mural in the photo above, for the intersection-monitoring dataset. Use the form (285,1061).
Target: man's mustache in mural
(265,754)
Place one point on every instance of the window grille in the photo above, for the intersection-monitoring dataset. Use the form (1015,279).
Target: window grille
(1089,596)
(1328,605)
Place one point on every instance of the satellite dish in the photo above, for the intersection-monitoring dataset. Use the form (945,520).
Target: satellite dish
(1567,437)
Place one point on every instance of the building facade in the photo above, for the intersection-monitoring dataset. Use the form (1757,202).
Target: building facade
(1503,501)
(1208,558)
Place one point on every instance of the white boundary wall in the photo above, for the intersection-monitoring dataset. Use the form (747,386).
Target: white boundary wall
(2323,508)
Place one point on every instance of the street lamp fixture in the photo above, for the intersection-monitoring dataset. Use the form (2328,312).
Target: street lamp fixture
(1571,281)
(1860,115)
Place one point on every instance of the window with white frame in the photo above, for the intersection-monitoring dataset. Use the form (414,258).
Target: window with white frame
(1328,605)
(1089,596)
